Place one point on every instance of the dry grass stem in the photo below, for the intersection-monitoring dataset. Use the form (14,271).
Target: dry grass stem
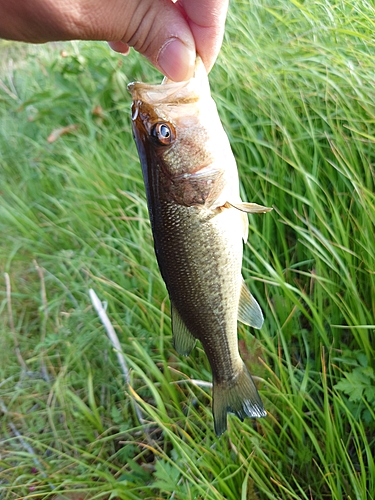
(98,306)
(11,322)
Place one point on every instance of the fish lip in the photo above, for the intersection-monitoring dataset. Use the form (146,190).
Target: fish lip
(152,93)
(173,92)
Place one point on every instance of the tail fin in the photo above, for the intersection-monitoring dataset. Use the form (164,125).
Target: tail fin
(239,397)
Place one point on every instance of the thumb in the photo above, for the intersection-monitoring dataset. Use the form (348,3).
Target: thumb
(158,30)
(155,28)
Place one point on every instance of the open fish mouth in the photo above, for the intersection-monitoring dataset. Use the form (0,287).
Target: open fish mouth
(186,92)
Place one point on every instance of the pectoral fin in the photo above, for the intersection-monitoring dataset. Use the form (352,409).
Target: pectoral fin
(250,208)
(249,311)
(183,340)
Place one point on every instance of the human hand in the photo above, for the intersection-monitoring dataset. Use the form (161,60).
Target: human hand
(168,34)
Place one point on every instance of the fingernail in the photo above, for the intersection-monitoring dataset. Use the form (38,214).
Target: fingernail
(121,47)
(176,60)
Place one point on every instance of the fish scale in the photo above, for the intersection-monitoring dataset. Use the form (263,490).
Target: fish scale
(199,223)
(207,301)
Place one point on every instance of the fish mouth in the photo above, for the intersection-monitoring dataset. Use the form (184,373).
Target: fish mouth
(153,103)
(170,92)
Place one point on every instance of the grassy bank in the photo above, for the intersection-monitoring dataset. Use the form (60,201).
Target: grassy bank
(294,84)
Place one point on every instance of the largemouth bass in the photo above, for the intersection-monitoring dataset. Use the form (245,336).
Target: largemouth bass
(199,223)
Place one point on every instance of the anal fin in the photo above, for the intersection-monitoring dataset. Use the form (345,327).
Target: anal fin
(249,311)
(183,340)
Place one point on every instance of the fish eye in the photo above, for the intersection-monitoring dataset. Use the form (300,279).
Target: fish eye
(164,133)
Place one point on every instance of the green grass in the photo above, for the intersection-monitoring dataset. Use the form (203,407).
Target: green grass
(295,89)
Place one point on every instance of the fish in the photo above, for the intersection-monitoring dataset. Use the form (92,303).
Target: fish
(199,224)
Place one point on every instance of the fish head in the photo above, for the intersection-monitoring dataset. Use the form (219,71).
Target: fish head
(179,138)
